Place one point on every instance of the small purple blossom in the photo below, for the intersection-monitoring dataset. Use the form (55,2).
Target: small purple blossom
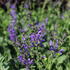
(61,51)
(30,25)
(46,20)
(23,38)
(43,57)
(13,6)
(51,43)
(62,17)
(30,61)
(21,59)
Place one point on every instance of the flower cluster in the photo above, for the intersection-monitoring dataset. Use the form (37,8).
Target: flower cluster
(38,37)
(54,47)
(25,61)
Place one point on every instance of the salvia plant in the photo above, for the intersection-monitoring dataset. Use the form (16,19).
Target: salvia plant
(34,40)
(28,37)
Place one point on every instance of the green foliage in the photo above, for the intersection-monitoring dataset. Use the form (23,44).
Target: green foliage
(3,63)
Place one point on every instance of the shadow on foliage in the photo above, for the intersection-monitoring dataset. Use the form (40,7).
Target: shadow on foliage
(12,65)
(1,50)
(12,51)
(53,67)
(63,66)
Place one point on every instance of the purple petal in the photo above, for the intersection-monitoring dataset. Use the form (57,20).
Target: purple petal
(51,43)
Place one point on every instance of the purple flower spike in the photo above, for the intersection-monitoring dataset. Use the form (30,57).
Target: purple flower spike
(55,47)
(11,28)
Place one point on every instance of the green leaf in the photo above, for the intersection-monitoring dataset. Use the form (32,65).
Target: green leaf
(61,59)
